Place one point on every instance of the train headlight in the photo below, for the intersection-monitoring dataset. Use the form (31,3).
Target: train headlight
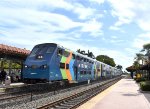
(40,57)
(25,66)
(44,66)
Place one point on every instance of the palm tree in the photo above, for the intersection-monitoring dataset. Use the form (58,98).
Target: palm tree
(140,56)
(146,47)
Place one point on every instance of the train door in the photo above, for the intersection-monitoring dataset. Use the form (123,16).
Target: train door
(76,72)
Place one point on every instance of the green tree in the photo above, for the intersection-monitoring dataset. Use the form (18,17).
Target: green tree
(119,67)
(106,59)
(89,54)
(14,64)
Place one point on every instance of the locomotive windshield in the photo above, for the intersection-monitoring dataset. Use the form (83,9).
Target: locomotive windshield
(50,50)
(34,51)
(41,50)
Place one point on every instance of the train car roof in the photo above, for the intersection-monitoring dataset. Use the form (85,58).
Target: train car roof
(78,54)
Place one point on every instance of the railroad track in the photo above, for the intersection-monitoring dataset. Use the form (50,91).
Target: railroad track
(75,100)
(24,100)
(14,97)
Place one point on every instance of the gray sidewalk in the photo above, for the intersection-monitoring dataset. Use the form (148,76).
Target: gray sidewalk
(124,95)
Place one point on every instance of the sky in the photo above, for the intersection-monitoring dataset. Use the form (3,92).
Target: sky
(117,28)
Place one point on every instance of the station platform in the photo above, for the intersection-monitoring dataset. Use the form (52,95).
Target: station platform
(125,94)
(12,86)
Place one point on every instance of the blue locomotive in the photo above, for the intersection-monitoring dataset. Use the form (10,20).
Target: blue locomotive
(50,62)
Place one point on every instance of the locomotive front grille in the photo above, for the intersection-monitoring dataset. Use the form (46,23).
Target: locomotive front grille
(34,66)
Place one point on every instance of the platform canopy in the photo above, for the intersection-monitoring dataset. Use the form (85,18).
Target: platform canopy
(131,69)
(10,52)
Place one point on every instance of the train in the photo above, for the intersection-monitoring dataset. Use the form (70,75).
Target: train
(50,62)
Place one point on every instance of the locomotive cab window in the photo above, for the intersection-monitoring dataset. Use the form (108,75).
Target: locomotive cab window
(42,50)
(50,50)
(60,51)
(62,65)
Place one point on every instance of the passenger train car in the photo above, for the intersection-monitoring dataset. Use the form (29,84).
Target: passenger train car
(51,62)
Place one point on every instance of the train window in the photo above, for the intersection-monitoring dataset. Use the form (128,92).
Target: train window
(81,72)
(89,72)
(67,66)
(78,58)
(82,66)
(60,52)
(73,56)
(85,60)
(62,65)
(84,72)
(85,66)
(98,70)
(50,50)
(66,53)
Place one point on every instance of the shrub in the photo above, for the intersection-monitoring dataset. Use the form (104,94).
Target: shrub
(145,85)
(140,79)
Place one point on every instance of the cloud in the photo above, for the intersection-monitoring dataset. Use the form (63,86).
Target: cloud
(145,35)
(116,28)
(114,37)
(138,43)
(116,41)
(128,11)
(97,1)
(94,27)
(36,18)
(83,12)
(142,39)
(43,5)
(71,24)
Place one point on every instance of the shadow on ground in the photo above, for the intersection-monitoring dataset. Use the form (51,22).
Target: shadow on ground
(131,94)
